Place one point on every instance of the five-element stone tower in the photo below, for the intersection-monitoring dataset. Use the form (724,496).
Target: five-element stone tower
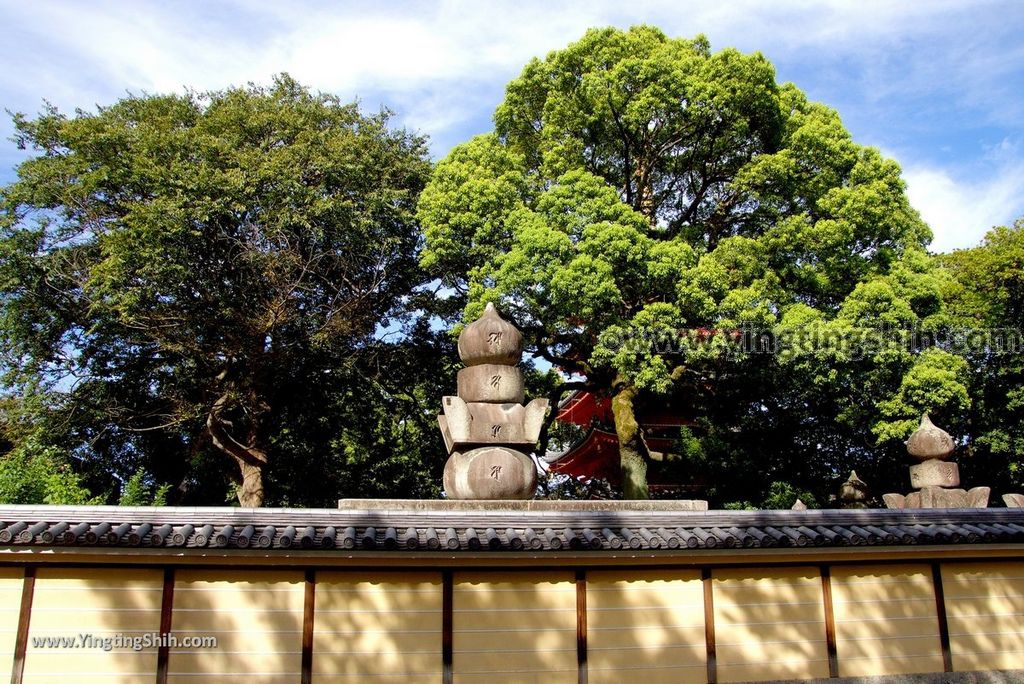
(486,428)
(935,476)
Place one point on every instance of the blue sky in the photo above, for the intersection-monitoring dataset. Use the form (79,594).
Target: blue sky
(938,85)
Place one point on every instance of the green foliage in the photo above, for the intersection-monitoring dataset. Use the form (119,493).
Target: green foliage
(556,486)
(223,290)
(988,293)
(178,271)
(36,474)
(938,379)
(783,495)
(370,433)
(138,492)
(644,203)
(780,496)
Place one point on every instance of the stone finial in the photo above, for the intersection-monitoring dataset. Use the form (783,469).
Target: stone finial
(490,339)
(930,442)
(799,505)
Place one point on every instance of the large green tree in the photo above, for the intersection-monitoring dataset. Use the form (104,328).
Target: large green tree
(989,303)
(178,273)
(644,202)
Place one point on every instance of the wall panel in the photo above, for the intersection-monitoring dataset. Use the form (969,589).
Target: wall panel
(985,610)
(256,617)
(11,582)
(647,624)
(769,624)
(379,627)
(886,620)
(514,627)
(86,608)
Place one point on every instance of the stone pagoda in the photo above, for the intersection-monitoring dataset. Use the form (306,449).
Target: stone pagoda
(487,430)
(854,492)
(935,476)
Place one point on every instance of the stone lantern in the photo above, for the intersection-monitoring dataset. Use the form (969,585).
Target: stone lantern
(487,430)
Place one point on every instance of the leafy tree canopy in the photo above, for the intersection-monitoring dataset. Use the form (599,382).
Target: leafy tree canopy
(179,273)
(990,297)
(638,189)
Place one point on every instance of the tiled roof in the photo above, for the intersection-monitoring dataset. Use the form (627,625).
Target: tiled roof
(438,528)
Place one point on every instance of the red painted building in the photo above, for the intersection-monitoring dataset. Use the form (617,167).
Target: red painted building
(596,454)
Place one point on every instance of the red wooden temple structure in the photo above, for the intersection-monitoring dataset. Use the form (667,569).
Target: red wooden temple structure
(596,455)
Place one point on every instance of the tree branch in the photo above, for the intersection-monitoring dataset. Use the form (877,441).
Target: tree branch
(216,427)
(554,399)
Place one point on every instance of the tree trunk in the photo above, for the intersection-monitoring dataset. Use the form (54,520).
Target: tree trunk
(645,193)
(249,457)
(250,490)
(632,449)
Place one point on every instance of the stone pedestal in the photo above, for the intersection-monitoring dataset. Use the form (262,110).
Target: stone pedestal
(939,497)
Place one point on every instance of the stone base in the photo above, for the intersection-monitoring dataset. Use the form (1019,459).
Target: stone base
(543,505)
(490,473)
(934,473)
(937,497)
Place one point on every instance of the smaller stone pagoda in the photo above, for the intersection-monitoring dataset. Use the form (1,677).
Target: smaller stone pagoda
(854,492)
(935,476)
(487,430)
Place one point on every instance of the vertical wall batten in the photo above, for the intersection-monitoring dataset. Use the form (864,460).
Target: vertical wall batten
(709,625)
(166,605)
(581,625)
(940,609)
(447,588)
(308,606)
(21,643)
(830,622)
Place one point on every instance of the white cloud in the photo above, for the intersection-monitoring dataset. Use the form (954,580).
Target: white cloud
(442,65)
(961,210)
(63,47)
